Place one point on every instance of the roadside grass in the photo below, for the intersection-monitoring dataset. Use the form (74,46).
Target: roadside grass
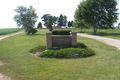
(20,65)
(111,33)
(9,30)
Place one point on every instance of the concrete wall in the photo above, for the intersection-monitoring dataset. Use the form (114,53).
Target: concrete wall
(55,41)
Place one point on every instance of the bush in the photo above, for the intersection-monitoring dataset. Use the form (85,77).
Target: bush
(68,53)
(78,51)
(33,31)
(61,32)
(38,49)
(79,45)
(50,29)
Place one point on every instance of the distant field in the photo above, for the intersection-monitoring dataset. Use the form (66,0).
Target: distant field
(9,30)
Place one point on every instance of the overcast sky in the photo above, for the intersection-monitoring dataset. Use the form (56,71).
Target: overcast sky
(53,7)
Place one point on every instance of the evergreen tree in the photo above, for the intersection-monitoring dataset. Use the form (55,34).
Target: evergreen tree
(69,24)
(39,25)
(49,25)
(54,20)
(60,21)
(64,20)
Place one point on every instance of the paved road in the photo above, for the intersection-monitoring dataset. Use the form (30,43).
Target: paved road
(109,41)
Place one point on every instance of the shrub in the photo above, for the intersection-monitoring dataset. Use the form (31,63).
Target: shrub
(79,45)
(80,50)
(38,49)
(68,53)
(50,29)
(61,32)
(33,31)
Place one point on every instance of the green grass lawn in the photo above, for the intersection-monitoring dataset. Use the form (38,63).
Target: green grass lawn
(20,65)
(111,33)
(9,30)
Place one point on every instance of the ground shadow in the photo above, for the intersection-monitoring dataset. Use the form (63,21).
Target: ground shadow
(34,35)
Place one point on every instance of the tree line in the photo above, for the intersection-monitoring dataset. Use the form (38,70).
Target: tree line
(27,17)
(57,22)
(96,14)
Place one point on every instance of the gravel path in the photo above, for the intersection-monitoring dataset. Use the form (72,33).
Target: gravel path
(3,77)
(109,41)
(8,35)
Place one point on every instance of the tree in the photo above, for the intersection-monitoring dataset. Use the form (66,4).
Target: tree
(25,17)
(39,25)
(54,20)
(46,18)
(118,25)
(60,21)
(69,24)
(97,13)
(111,11)
(79,23)
(75,23)
(64,20)
(49,25)
(32,30)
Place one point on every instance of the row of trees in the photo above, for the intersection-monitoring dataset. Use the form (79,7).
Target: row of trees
(70,23)
(56,21)
(96,14)
(27,17)
(90,13)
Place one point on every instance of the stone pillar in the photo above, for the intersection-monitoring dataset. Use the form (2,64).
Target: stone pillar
(73,38)
(49,40)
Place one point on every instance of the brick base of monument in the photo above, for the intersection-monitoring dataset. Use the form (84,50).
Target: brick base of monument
(56,41)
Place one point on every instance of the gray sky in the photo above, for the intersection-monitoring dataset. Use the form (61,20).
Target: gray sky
(53,7)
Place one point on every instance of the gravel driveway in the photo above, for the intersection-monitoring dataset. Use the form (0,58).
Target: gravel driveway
(109,41)
(8,35)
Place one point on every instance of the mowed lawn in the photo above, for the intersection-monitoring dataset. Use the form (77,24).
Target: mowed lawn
(20,65)
(110,33)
